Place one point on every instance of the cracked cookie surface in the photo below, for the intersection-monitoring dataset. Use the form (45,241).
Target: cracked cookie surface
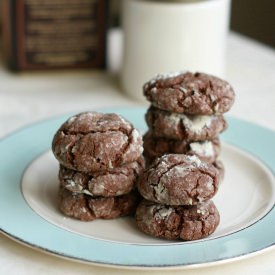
(190,93)
(87,208)
(187,223)
(177,179)
(107,183)
(93,141)
(154,147)
(182,126)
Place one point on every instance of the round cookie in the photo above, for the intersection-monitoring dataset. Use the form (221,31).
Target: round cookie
(177,179)
(87,208)
(187,223)
(154,147)
(93,141)
(106,183)
(190,93)
(183,126)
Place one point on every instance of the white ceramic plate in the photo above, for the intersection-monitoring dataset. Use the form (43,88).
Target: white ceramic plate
(28,181)
(245,196)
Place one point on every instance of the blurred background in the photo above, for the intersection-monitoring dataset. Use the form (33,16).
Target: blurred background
(252,18)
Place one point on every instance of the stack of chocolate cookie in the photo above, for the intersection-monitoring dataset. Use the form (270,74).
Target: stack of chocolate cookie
(186,115)
(181,149)
(177,189)
(100,158)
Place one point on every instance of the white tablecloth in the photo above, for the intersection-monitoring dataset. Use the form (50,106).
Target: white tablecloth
(30,97)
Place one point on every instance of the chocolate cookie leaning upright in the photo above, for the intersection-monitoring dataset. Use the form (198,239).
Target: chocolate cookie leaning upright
(190,93)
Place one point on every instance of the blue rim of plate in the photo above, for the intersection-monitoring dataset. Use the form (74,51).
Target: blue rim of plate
(20,222)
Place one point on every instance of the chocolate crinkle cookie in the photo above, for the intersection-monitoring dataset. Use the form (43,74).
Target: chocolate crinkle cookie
(177,222)
(207,150)
(93,141)
(182,126)
(177,179)
(87,208)
(106,183)
(190,93)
